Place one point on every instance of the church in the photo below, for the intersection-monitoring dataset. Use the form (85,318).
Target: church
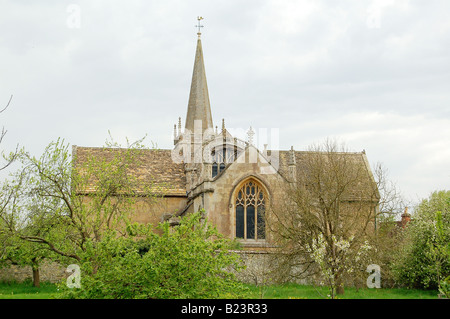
(209,169)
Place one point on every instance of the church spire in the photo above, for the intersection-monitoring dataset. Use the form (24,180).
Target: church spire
(198,106)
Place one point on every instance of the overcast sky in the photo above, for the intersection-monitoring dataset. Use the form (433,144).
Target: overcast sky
(374,74)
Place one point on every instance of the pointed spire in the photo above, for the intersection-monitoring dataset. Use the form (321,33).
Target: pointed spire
(198,106)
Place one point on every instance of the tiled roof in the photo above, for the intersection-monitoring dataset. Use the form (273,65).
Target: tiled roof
(153,167)
(355,160)
(168,177)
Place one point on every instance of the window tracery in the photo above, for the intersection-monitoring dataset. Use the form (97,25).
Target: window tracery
(250,211)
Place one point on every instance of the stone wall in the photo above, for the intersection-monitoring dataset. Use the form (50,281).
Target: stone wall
(261,268)
(258,269)
(49,271)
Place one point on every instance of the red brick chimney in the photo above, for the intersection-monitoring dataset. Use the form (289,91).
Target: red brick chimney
(406,218)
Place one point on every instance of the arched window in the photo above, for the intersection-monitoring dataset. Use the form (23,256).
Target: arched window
(220,156)
(214,170)
(250,211)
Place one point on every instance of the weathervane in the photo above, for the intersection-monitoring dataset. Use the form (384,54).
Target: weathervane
(199,26)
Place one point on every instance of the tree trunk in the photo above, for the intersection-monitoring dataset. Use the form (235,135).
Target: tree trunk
(36,279)
(339,284)
(340,289)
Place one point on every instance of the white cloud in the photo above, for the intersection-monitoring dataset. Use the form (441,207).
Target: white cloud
(310,68)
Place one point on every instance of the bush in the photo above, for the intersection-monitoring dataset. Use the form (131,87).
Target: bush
(444,288)
(191,260)
(424,258)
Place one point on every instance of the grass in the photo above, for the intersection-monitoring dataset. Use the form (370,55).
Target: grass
(25,290)
(294,291)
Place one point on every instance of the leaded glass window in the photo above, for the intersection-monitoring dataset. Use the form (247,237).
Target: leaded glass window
(220,157)
(250,211)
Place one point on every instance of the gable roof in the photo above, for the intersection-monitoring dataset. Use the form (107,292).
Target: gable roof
(168,177)
(366,187)
(153,166)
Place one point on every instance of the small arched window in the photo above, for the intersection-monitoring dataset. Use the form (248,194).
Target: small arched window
(250,211)
(214,170)
(220,157)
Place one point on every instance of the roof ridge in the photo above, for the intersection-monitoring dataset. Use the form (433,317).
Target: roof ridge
(120,148)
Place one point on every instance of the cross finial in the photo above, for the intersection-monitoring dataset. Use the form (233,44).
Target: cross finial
(250,134)
(199,26)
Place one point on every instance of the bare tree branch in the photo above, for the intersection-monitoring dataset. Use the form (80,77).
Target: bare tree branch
(13,155)
(7,104)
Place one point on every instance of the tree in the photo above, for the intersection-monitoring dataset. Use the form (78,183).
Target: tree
(15,225)
(8,157)
(190,260)
(349,260)
(327,216)
(6,193)
(47,206)
(388,235)
(423,259)
(391,201)
(16,251)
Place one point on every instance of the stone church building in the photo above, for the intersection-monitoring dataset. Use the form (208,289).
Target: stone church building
(234,182)
(208,168)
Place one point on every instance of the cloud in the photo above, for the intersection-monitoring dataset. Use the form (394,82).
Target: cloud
(375,73)
(415,148)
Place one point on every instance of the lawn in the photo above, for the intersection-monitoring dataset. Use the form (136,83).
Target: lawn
(294,291)
(287,291)
(25,290)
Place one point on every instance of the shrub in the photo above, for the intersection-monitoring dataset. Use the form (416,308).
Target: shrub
(191,260)
(424,258)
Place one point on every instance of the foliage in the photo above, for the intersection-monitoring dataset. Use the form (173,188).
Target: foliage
(386,241)
(326,217)
(296,291)
(22,253)
(445,287)
(424,258)
(47,200)
(25,290)
(14,249)
(191,260)
(341,259)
